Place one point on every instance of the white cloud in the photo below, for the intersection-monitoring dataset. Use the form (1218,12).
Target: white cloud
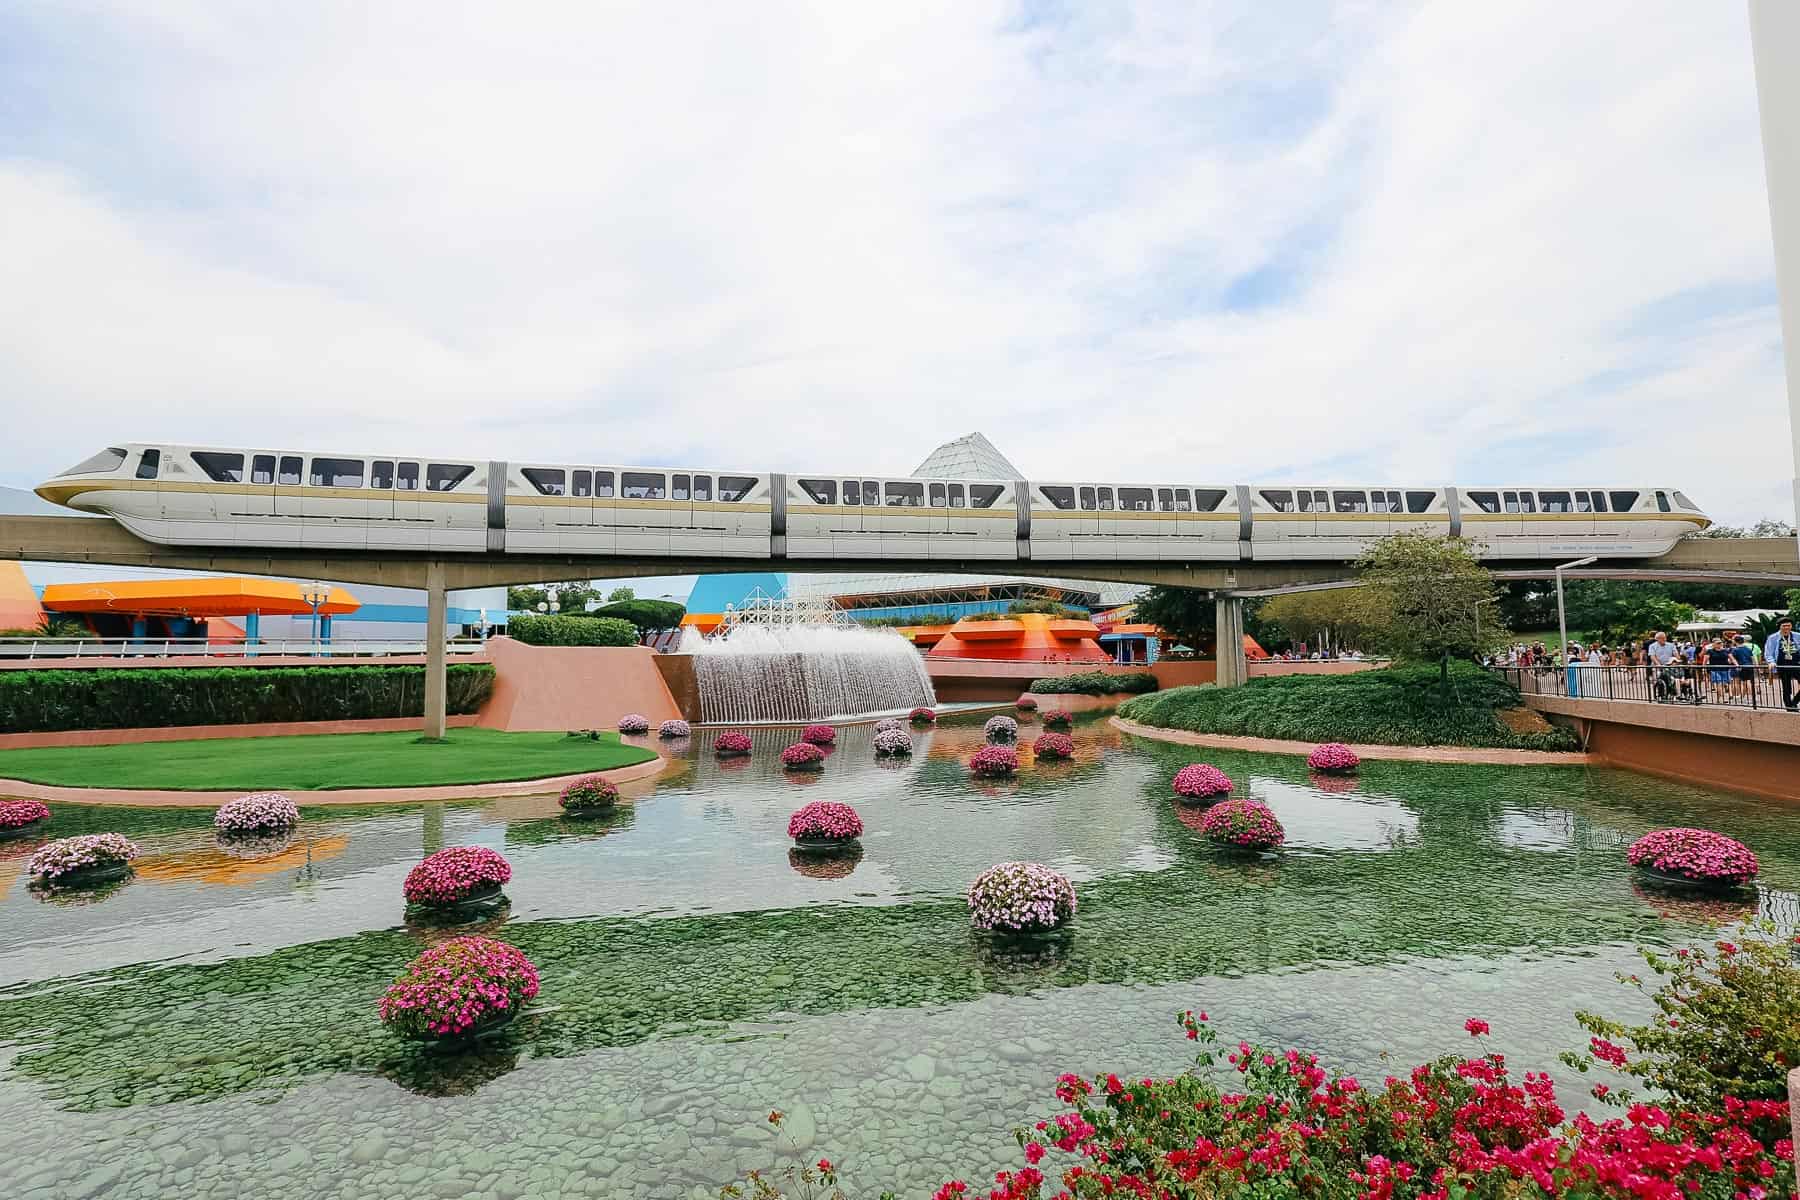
(836,236)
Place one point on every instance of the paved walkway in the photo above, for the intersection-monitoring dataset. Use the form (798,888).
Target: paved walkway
(1437,754)
(19,788)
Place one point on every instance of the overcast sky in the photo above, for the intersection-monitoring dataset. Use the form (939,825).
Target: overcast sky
(1232,242)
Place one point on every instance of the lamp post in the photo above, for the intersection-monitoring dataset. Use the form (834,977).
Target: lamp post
(1562,625)
(314,595)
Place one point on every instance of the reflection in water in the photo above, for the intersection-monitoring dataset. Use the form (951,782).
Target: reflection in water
(80,897)
(825,864)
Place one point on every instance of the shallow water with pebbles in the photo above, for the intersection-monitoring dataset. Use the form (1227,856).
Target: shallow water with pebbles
(207,1027)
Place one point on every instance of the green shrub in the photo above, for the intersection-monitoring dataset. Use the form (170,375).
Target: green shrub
(1047,607)
(1398,706)
(125,698)
(1095,683)
(573,631)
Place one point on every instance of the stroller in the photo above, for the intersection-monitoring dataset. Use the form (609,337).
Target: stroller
(1673,684)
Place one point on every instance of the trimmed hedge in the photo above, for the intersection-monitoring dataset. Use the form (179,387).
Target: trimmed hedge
(572,631)
(1095,683)
(48,701)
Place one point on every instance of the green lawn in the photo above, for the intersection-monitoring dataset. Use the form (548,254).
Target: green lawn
(336,760)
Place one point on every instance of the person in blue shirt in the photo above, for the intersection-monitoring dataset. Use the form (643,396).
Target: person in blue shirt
(1745,658)
(1782,653)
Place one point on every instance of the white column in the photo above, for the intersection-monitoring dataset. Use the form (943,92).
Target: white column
(1228,640)
(1775,45)
(436,722)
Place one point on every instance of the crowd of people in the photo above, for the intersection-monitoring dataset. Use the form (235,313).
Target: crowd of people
(1724,668)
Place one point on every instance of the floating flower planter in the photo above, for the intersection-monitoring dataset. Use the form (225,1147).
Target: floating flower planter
(1242,825)
(1057,718)
(825,827)
(21,818)
(668,731)
(1053,747)
(1693,858)
(634,723)
(460,990)
(994,762)
(458,880)
(819,735)
(1001,729)
(1333,758)
(1201,783)
(589,796)
(803,756)
(1020,898)
(84,861)
(922,716)
(893,743)
(1025,704)
(887,723)
(259,812)
(732,744)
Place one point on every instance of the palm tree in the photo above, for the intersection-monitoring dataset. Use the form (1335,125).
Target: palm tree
(1759,627)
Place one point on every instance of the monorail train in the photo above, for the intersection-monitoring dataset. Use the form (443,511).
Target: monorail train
(187,495)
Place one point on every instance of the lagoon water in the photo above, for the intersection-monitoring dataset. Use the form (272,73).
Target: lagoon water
(207,1028)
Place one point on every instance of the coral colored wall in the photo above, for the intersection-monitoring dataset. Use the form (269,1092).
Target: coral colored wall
(19,607)
(573,687)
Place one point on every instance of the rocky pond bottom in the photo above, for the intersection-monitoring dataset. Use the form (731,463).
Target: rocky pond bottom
(207,1028)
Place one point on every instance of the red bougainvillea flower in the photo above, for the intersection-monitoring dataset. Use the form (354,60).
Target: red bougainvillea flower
(455,874)
(1019,897)
(1201,782)
(803,756)
(16,814)
(1246,824)
(1333,758)
(731,744)
(590,793)
(1054,746)
(825,820)
(994,762)
(1476,1026)
(457,987)
(819,735)
(1057,718)
(921,716)
(1697,854)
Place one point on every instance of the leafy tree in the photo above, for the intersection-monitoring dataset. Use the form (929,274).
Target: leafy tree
(1768,527)
(1616,611)
(573,596)
(1758,629)
(1426,593)
(1185,614)
(650,616)
(620,593)
(1347,614)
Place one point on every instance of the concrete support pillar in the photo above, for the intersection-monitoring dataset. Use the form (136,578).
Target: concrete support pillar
(436,692)
(1775,47)
(1228,640)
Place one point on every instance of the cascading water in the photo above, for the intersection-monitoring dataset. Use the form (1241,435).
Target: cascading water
(790,673)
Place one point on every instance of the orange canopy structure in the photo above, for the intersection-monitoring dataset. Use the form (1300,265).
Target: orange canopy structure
(1024,637)
(198,599)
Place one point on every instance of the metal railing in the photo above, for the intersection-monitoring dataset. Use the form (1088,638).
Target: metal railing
(96,648)
(1754,687)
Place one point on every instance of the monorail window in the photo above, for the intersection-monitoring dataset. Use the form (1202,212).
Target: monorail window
(1623,501)
(871,494)
(1134,499)
(148,463)
(1173,500)
(1087,499)
(822,491)
(703,487)
(1662,502)
(289,474)
(1418,502)
(1314,501)
(643,485)
(906,495)
(337,472)
(983,495)
(381,474)
(262,469)
(221,468)
(547,480)
(956,496)
(1511,500)
(1582,503)
(1487,502)
(406,477)
(1350,502)
(1681,499)
(1059,497)
(1520,502)
(1385,502)
(679,488)
(603,485)
(1103,495)
(1281,501)
(441,477)
(1556,502)
(733,488)
(105,462)
(936,499)
(852,492)
(581,483)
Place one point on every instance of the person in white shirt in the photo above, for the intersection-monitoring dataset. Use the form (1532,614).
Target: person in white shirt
(1663,655)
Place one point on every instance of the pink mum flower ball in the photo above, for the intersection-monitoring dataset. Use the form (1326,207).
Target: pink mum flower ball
(819,735)
(994,762)
(588,795)
(803,756)
(922,716)
(1025,704)
(670,730)
(1200,783)
(1242,825)
(459,988)
(1057,718)
(1333,758)
(455,875)
(634,723)
(1020,897)
(259,812)
(19,815)
(731,744)
(1696,855)
(1052,746)
(887,723)
(893,743)
(825,821)
(73,856)
(1000,729)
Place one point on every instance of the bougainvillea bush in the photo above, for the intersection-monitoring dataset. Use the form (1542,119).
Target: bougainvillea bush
(922,716)
(819,735)
(893,741)
(54,860)
(454,874)
(803,756)
(994,762)
(1199,781)
(673,729)
(1020,897)
(1054,746)
(1000,729)
(589,794)
(17,814)
(1333,758)
(1025,704)
(732,744)
(458,987)
(259,812)
(1697,854)
(1058,718)
(1243,825)
(825,821)
(634,723)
